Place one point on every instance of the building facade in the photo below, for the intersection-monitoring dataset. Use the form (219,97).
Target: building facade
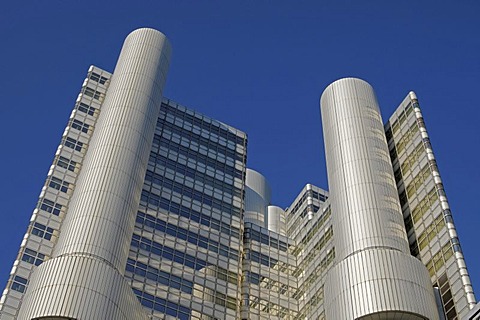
(150,212)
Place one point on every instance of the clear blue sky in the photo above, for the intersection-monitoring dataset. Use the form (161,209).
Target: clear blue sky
(257,65)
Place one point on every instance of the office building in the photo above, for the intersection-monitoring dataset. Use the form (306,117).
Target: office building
(150,212)
(474,313)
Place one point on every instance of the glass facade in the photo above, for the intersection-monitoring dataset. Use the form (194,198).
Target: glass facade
(197,253)
(427,216)
(185,254)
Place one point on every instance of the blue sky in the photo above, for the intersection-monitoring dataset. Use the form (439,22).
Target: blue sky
(257,65)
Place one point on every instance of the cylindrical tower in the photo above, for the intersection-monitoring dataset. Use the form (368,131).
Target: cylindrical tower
(375,275)
(277,221)
(90,256)
(257,198)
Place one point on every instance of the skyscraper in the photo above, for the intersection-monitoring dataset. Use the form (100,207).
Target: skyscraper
(149,210)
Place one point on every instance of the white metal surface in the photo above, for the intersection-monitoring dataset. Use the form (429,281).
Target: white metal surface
(97,230)
(375,271)
(257,198)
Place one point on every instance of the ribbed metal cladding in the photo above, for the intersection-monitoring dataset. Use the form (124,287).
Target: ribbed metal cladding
(257,198)
(100,220)
(277,221)
(375,275)
(101,216)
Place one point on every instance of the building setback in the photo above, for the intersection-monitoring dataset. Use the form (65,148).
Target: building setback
(150,212)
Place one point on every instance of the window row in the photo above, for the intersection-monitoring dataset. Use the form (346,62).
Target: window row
(98,78)
(208,136)
(167,253)
(424,205)
(209,151)
(208,124)
(402,118)
(257,304)
(313,231)
(316,299)
(260,258)
(42,231)
(265,239)
(224,274)
(418,181)
(189,124)
(299,203)
(319,272)
(59,184)
(319,196)
(19,284)
(319,246)
(447,297)
(66,163)
(97,95)
(184,234)
(51,207)
(224,300)
(431,232)
(180,210)
(210,177)
(435,264)
(80,126)
(167,146)
(405,140)
(310,208)
(159,276)
(86,109)
(297,221)
(33,257)
(162,305)
(200,143)
(73,144)
(191,193)
(267,283)
(412,159)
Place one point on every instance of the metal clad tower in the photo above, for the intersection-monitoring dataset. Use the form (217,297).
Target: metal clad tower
(277,220)
(257,198)
(89,260)
(375,275)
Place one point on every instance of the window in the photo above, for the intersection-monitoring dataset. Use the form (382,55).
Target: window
(65,163)
(58,184)
(33,257)
(159,276)
(42,231)
(92,93)
(73,144)
(50,206)
(19,284)
(80,126)
(98,78)
(86,109)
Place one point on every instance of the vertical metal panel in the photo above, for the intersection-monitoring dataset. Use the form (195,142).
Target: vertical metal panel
(373,275)
(277,220)
(257,198)
(96,234)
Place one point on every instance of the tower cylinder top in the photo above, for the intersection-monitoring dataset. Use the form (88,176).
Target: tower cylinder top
(277,221)
(362,186)
(370,239)
(101,214)
(257,198)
